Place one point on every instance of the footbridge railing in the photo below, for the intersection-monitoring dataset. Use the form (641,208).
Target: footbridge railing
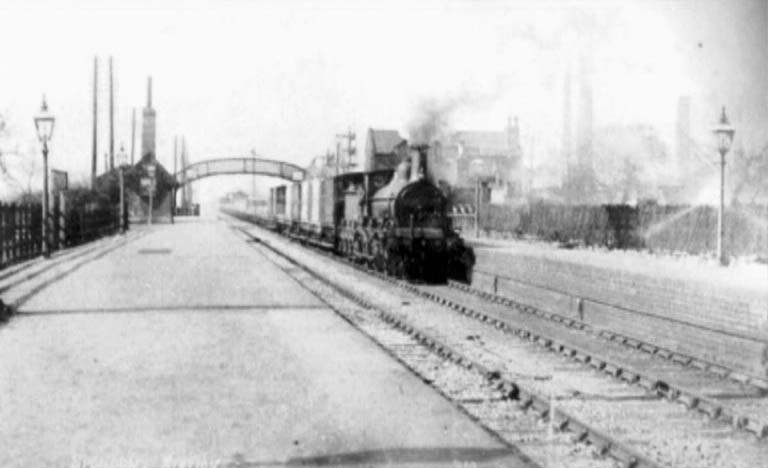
(244,165)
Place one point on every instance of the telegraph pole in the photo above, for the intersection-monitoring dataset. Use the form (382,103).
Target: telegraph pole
(94,150)
(133,133)
(111,118)
(175,170)
(350,137)
(338,156)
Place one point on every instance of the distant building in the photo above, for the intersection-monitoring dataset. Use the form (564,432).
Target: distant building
(462,157)
(137,193)
(383,149)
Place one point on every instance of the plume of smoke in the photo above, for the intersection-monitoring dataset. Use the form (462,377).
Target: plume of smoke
(433,117)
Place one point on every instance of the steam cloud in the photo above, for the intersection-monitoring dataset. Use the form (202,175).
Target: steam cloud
(433,116)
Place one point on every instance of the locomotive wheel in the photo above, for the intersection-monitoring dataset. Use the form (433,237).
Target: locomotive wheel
(437,270)
(400,267)
(358,250)
(377,254)
(395,265)
(391,264)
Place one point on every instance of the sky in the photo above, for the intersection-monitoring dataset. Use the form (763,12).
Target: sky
(282,78)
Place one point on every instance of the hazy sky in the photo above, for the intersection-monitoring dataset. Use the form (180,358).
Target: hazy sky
(283,77)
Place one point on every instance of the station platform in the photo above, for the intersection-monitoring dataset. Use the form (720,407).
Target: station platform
(185,345)
(687,304)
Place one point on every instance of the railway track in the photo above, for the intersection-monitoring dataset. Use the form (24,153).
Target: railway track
(719,392)
(580,386)
(527,426)
(757,380)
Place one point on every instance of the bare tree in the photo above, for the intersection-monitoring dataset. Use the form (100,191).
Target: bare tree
(3,133)
(749,171)
(15,170)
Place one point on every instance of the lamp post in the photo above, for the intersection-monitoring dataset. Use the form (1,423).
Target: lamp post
(44,122)
(724,132)
(151,168)
(122,160)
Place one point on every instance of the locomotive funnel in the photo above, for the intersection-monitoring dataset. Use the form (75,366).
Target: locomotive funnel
(418,162)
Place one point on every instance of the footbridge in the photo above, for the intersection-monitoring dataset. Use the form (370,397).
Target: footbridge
(239,165)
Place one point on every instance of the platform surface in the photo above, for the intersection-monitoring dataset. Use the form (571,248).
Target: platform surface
(188,346)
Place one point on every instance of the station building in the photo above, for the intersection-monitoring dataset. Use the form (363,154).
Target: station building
(494,158)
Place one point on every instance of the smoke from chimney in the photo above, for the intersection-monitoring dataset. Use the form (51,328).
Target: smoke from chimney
(433,116)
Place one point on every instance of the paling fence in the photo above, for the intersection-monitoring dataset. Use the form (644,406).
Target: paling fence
(670,228)
(70,222)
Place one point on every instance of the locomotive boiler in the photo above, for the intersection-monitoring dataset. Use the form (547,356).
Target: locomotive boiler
(394,220)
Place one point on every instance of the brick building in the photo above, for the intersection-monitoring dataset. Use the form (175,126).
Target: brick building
(384,149)
(461,157)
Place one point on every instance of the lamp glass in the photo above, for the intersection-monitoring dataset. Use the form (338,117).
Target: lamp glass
(725,138)
(724,132)
(44,123)
(122,157)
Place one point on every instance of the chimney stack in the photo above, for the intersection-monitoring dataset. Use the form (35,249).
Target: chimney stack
(683,134)
(148,125)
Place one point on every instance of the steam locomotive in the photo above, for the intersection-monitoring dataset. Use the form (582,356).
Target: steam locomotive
(394,220)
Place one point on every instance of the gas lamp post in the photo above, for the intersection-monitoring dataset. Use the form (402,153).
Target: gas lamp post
(122,161)
(44,122)
(724,133)
(151,169)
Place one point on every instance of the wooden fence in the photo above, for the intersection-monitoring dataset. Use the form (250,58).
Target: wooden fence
(21,227)
(689,229)
(20,232)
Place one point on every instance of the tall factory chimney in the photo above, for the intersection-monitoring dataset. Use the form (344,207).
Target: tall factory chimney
(584,123)
(567,132)
(683,135)
(148,125)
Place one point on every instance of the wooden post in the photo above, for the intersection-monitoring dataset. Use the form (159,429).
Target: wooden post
(82,233)
(12,231)
(62,220)
(477,208)
(2,234)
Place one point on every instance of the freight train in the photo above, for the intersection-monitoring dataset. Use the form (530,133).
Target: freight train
(394,220)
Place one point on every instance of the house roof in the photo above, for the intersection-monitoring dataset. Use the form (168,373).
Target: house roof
(483,143)
(384,141)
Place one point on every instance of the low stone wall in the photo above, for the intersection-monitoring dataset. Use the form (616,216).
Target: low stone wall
(722,325)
